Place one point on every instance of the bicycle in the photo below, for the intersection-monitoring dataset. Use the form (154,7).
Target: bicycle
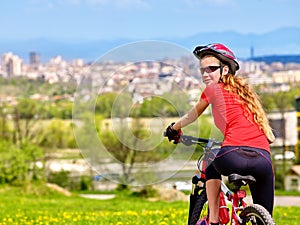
(241,213)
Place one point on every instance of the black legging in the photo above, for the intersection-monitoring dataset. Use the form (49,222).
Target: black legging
(247,161)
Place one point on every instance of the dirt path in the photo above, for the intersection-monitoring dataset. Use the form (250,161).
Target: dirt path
(98,196)
(287,201)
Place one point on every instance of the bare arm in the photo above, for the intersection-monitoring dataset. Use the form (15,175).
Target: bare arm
(192,115)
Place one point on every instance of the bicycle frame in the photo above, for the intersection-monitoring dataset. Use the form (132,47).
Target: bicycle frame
(236,199)
(237,202)
(234,195)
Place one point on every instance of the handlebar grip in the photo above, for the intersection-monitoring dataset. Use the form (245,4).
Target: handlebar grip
(192,140)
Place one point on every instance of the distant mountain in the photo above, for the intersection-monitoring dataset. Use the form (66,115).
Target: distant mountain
(68,49)
(284,41)
(277,58)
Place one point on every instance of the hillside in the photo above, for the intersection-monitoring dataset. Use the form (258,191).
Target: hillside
(284,41)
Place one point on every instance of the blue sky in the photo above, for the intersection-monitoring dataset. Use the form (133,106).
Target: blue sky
(142,19)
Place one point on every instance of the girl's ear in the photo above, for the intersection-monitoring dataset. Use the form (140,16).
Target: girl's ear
(225,70)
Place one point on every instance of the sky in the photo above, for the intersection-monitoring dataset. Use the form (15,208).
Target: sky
(142,19)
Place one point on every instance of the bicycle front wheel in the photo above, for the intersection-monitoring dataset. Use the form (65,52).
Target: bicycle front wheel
(200,209)
(256,215)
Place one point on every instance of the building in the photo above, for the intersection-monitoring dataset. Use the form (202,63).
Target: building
(286,76)
(251,52)
(34,58)
(297,106)
(285,126)
(11,65)
(292,179)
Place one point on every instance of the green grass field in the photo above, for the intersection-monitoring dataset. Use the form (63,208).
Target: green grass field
(37,205)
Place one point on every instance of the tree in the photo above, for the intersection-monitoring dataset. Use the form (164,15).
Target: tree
(124,145)
(104,104)
(25,115)
(157,107)
(57,134)
(4,128)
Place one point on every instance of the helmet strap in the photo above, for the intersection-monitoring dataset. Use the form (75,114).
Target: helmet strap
(221,72)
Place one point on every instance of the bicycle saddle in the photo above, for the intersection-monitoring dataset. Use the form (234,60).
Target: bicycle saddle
(236,178)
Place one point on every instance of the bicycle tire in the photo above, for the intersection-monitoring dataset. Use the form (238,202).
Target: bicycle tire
(200,201)
(256,214)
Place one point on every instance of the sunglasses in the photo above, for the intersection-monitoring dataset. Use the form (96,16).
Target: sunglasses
(209,69)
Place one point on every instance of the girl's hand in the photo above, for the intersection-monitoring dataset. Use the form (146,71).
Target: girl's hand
(173,135)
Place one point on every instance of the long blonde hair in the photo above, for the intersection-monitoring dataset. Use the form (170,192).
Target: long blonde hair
(251,102)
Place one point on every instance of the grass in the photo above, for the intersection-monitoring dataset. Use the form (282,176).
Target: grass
(287,193)
(37,205)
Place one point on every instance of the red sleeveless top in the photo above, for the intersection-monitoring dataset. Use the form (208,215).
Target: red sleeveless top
(237,126)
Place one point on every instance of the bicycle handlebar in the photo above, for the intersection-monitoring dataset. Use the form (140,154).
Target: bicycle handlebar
(190,140)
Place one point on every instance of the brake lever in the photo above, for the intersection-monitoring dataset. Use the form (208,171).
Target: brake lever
(187,141)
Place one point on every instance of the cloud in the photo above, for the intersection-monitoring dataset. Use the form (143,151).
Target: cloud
(208,2)
(120,4)
(123,4)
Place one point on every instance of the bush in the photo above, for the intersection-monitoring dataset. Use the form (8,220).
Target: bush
(85,183)
(19,165)
(279,181)
(146,192)
(63,179)
(60,178)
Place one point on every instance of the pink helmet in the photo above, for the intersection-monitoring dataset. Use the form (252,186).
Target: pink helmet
(220,51)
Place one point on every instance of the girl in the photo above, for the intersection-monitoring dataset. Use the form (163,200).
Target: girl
(239,115)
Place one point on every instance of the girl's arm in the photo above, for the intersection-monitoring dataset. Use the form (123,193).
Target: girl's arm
(192,115)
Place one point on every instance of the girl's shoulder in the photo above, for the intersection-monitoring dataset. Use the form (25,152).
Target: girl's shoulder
(216,89)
